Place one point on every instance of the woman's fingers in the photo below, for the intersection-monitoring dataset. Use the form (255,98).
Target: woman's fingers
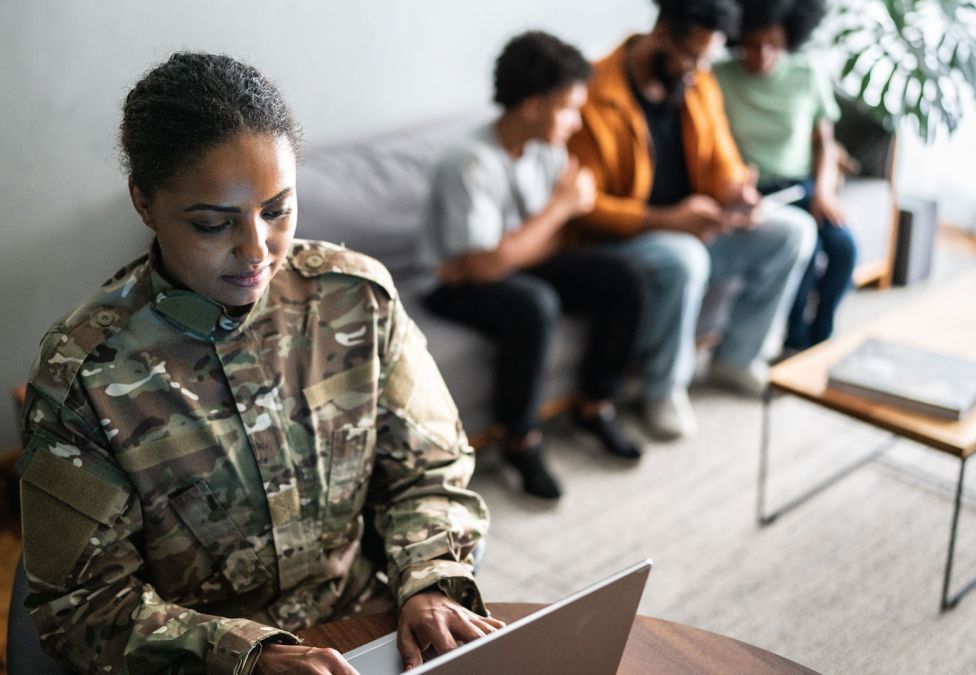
(409,648)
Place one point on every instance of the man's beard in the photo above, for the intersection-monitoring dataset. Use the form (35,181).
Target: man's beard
(674,85)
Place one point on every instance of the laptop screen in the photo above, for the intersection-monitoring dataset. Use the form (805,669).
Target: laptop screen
(583,633)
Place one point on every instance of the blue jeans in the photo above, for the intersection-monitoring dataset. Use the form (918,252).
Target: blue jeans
(677,268)
(807,326)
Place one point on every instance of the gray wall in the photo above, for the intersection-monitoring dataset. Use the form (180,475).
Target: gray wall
(347,68)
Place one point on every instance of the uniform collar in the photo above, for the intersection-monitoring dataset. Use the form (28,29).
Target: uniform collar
(192,313)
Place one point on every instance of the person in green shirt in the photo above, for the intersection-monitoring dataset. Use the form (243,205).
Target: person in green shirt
(781,111)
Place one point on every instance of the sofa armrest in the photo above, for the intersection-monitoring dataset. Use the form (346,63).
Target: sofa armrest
(872,215)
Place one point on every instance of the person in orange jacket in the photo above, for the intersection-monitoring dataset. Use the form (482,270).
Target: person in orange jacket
(674,195)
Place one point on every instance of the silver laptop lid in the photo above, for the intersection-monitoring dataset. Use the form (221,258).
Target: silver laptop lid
(379,657)
(583,633)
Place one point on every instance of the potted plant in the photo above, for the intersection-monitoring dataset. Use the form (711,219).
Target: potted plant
(909,60)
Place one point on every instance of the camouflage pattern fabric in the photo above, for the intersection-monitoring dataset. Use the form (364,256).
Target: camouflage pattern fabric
(194,482)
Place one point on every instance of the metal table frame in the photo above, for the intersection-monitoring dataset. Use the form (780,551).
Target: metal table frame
(765,518)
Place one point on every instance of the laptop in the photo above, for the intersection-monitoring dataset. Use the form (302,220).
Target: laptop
(582,633)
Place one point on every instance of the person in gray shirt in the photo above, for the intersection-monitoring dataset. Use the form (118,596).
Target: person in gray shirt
(499,201)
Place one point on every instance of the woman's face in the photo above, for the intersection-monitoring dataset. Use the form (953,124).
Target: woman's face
(225,224)
(761,49)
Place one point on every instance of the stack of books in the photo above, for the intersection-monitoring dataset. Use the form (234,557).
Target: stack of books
(908,377)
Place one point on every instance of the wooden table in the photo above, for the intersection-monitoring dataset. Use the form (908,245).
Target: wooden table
(942,319)
(655,647)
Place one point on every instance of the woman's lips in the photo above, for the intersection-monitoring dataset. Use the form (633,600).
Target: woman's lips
(248,279)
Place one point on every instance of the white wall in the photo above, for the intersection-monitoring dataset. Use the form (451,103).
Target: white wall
(347,68)
(941,171)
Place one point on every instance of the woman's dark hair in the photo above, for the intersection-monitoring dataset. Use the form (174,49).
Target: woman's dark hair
(189,104)
(680,16)
(797,18)
(536,63)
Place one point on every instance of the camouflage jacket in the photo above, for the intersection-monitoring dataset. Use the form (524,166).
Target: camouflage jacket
(194,483)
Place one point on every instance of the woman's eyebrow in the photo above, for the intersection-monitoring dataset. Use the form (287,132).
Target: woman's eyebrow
(203,206)
(200,206)
(278,196)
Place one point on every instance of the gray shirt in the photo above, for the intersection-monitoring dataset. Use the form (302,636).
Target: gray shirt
(479,192)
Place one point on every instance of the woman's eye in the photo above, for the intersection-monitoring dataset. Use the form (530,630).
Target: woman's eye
(211,228)
(276,214)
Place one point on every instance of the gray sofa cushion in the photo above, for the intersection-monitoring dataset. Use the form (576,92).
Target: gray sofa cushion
(371,195)
(869,206)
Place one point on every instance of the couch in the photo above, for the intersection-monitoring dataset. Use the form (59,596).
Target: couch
(868,195)
(370,195)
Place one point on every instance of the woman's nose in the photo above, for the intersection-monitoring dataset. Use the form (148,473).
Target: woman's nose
(252,242)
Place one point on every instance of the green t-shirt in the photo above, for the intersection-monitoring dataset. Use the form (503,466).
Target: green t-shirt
(772,116)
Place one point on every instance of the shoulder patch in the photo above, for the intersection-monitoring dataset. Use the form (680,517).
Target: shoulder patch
(318,258)
(67,345)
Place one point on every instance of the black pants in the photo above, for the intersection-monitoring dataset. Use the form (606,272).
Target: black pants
(519,314)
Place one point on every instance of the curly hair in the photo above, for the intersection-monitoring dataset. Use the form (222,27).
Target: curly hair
(536,63)
(680,16)
(797,18)
(187,105)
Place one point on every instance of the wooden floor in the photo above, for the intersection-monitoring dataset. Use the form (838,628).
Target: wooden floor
(10,548)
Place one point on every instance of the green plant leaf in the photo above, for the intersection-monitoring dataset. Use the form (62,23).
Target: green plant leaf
(849,65)
(903,44)
(886,87)
(866,78)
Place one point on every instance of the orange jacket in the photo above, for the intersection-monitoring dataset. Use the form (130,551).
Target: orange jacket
(615,144)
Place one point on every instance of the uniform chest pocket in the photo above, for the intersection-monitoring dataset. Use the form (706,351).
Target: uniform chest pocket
(351,450)
(341,409)
(220,536)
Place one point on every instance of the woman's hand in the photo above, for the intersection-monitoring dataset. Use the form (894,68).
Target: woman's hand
(278,659)
(431,620)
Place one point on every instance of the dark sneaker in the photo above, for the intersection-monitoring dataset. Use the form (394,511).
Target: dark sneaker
(605,428)
(536,478)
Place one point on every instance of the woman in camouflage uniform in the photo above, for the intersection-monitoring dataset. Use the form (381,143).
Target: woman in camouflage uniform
(204,435)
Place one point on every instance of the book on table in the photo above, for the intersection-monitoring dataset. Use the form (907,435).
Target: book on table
(908,377)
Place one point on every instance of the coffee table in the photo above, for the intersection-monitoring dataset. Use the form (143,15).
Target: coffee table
(942,319)
(655,647)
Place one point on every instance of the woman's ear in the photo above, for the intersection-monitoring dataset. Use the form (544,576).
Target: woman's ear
(142,204)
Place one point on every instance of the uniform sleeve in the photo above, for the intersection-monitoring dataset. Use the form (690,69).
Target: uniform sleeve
(429,521)
(82,523)
(467,213)
(621,216)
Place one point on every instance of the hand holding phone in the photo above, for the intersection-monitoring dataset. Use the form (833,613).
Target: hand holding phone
(741,215)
